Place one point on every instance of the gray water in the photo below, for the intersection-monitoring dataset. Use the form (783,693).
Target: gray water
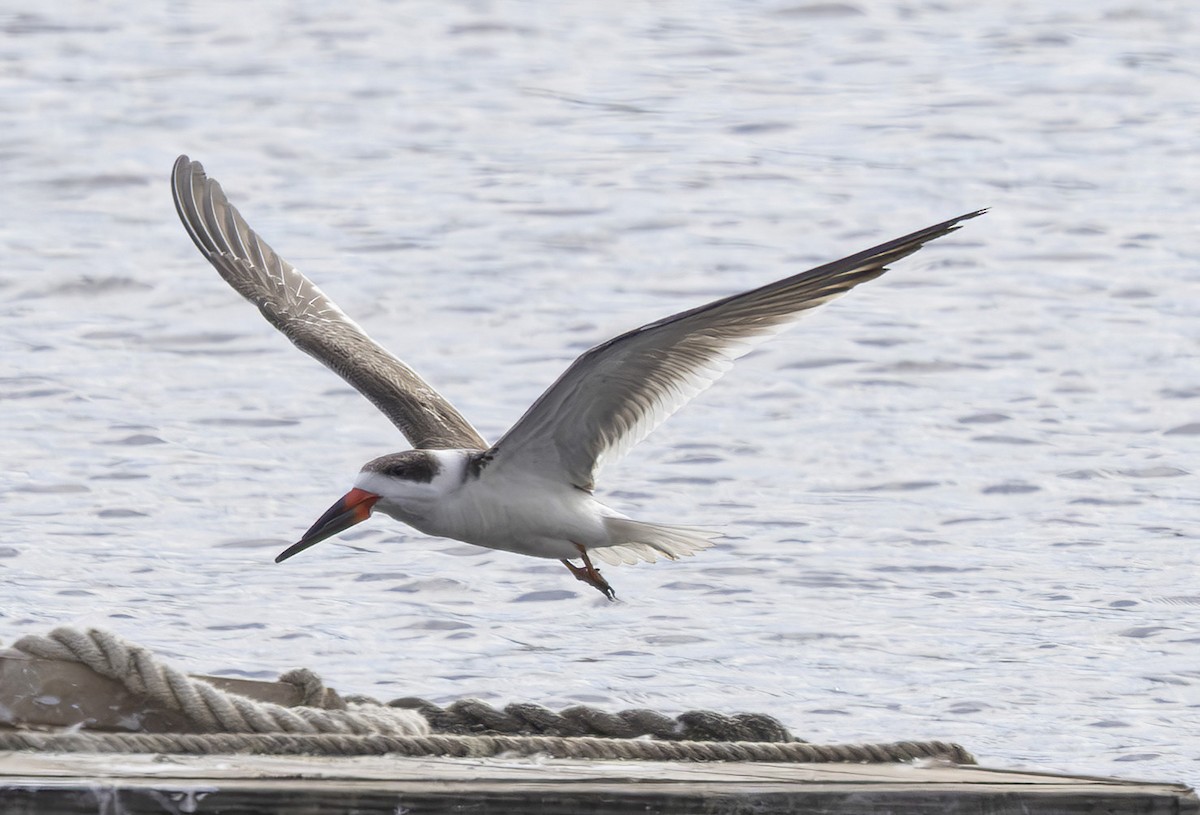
(960,502)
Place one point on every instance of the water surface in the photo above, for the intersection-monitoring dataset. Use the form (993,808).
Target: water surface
(960,502)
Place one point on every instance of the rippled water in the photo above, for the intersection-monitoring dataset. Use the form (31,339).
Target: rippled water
(961,502)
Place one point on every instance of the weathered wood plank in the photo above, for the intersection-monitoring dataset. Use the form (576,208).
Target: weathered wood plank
(78,783)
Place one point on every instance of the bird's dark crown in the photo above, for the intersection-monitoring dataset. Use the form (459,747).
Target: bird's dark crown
(411,465)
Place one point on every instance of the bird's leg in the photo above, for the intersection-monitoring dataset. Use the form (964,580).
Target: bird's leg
(590,574)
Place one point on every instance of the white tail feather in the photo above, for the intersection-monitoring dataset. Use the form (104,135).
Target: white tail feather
(642,540)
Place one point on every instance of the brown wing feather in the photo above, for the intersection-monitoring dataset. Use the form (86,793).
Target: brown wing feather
(308,318)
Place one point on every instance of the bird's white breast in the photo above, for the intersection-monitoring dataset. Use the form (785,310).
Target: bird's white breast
(519,512)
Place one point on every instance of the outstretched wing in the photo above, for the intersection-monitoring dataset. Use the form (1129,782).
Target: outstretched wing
(615,394)
(308,318)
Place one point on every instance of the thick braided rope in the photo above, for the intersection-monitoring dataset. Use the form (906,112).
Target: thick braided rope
(361,726)
(479,747)
(208,708)
(472,716)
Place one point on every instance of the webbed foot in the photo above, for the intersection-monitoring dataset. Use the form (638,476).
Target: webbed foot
(590,574)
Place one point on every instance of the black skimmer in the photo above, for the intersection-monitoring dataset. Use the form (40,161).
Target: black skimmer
(532,491)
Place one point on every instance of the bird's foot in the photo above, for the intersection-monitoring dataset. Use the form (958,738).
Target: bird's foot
(590,574)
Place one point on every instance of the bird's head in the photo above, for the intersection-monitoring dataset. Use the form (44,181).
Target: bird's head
(396,484)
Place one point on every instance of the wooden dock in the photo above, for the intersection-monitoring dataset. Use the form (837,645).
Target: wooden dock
(90,783)
(49,705)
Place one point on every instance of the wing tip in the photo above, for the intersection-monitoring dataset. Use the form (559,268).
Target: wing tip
(945,227)
(185,168)
(899,248)
(956,223)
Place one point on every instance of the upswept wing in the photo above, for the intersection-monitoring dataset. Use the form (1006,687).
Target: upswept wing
(308,318)
(612,396)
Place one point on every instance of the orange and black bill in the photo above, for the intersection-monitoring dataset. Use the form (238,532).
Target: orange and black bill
(353,507)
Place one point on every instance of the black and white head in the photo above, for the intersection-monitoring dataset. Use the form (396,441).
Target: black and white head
(399,484)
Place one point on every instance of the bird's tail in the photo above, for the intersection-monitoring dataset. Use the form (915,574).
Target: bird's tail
(642,540)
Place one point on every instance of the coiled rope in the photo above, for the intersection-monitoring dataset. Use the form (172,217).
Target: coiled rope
(472,716)
(326,724)
(478,747)
(212,710)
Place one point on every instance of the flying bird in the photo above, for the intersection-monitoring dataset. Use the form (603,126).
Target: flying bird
(531,492)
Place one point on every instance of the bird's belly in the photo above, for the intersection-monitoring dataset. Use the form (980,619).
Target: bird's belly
(531,521)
